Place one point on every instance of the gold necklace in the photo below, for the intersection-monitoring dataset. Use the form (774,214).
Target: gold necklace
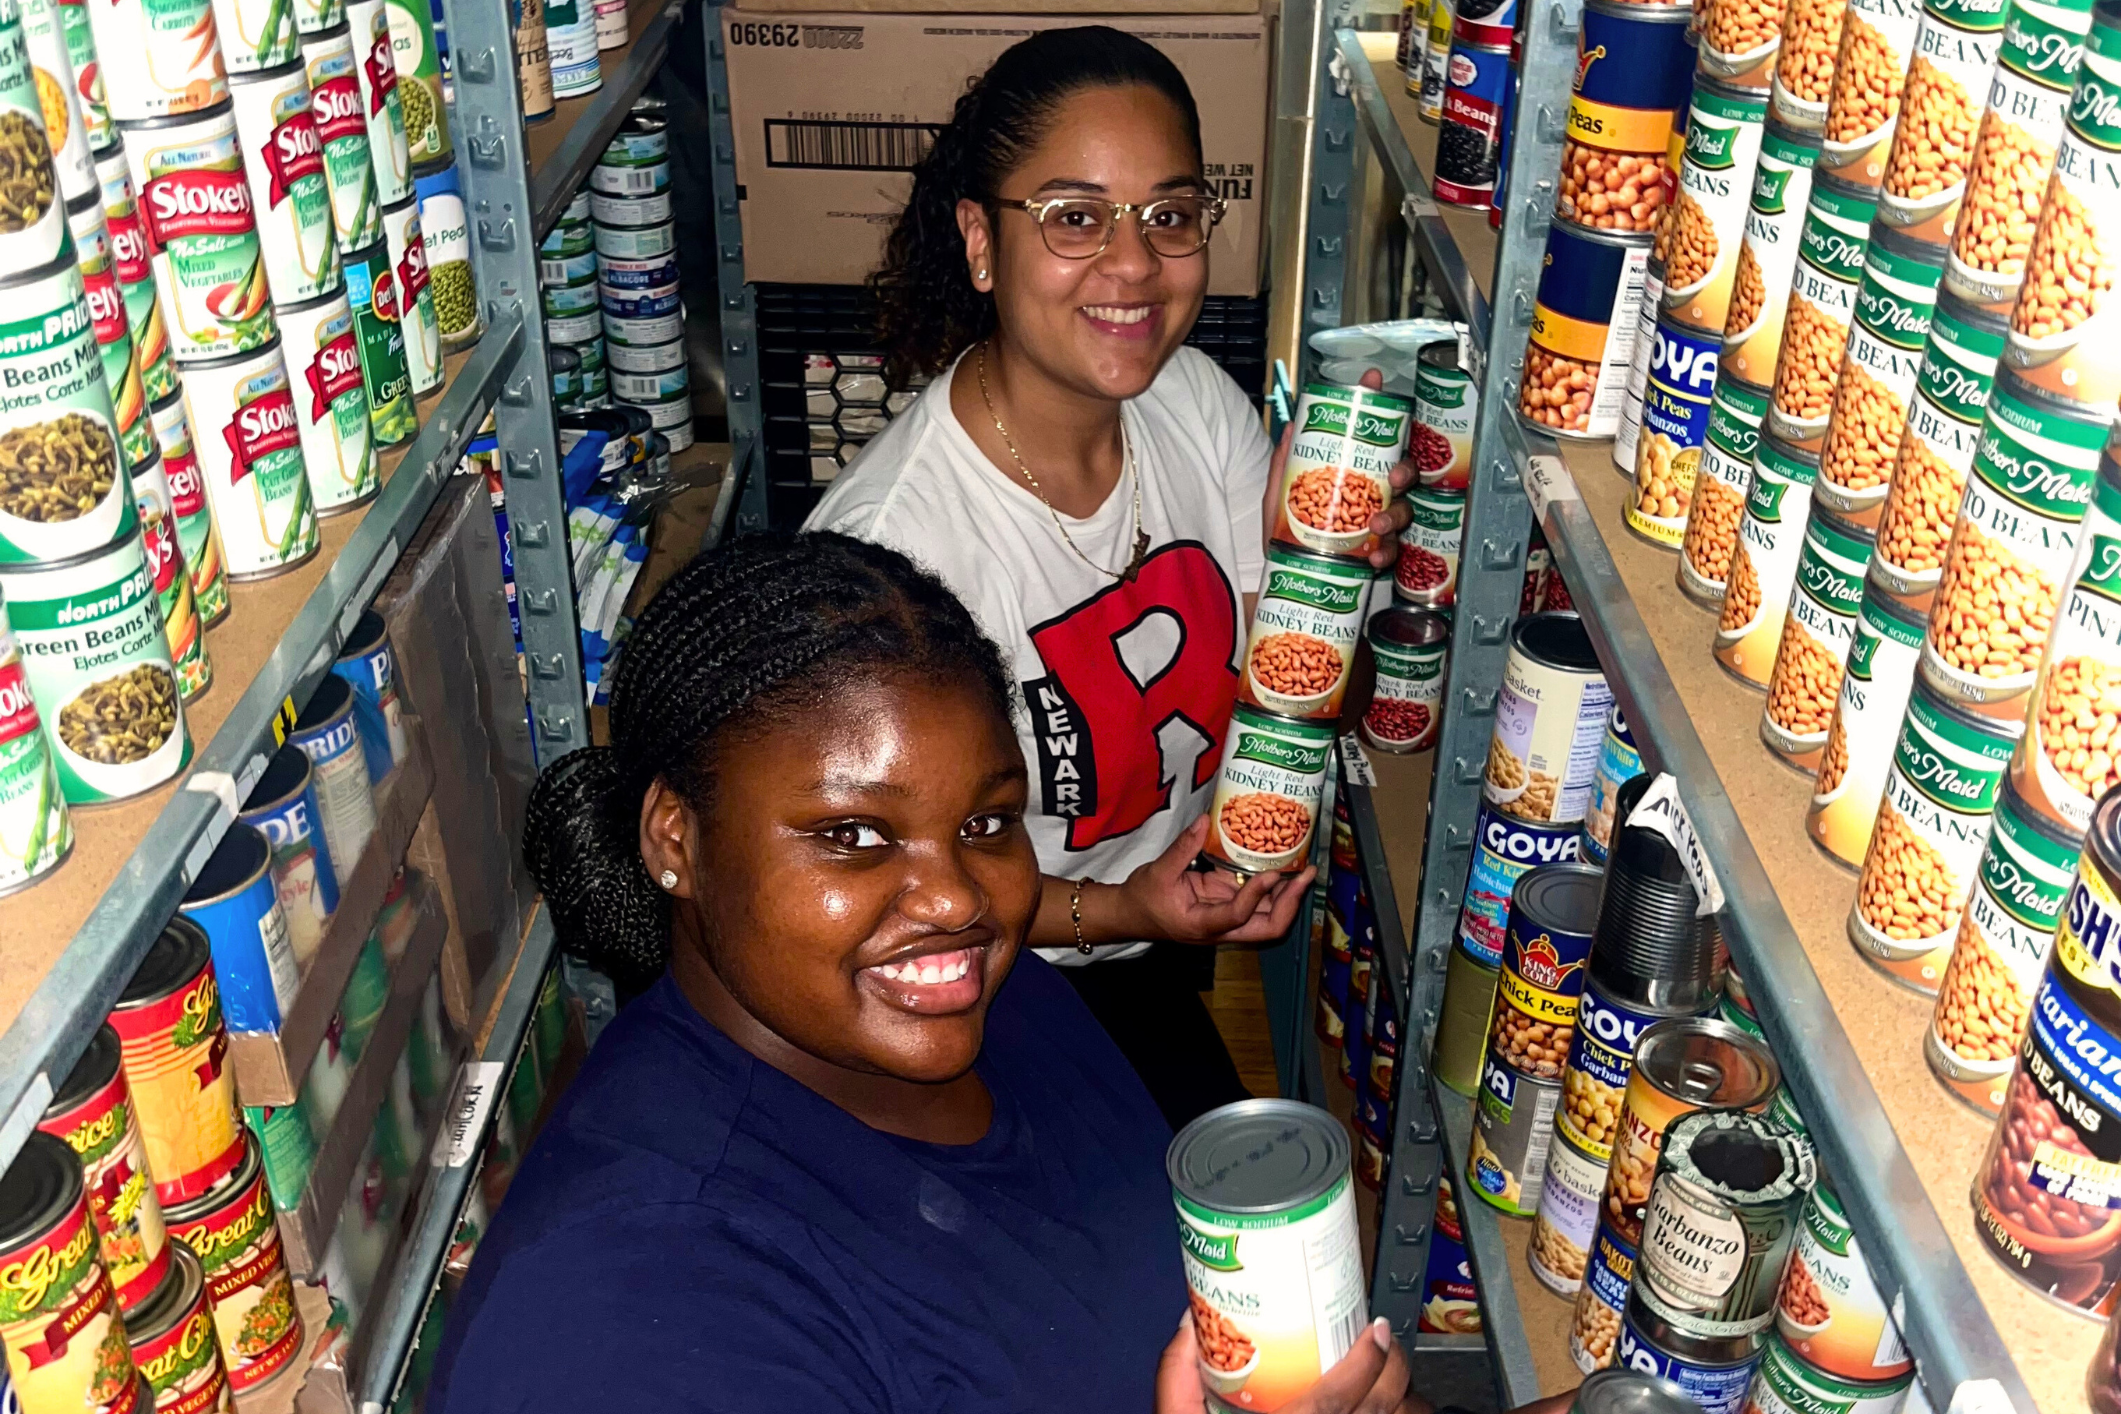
(1141,536)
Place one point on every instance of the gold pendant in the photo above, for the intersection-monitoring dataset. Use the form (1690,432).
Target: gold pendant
(1141,549)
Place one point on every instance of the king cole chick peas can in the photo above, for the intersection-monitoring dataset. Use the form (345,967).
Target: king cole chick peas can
(209,271)
(1339,471)
(288,191)
(1634,67)
(1725,129)
(250,455)
(322,352)
(36,833)
(1305,626)
(1822,304)
(1720,483)
(342,132)
(1826,597)
(66,1346)
(1934,819)
(1767,255)
(1879,371)
(1675,418)
(1778,504)
(1868,708)
(1266,799)
(1266,1223)
(1576,360)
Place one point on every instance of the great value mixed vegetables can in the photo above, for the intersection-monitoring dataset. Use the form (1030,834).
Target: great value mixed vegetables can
(90,633)
(59,1317)
(335,105)
(233,898)
(1868,707)
(1308,619)
(175,1052)
(322,351)
(159,61)
(199,541)
(250,455)
(1338,473)
(36,833)
(209,270)
(1266,797)
(182,627)
(1266,1225)
(376,67)
(288,191)
(372,292)
(283,805)
(233,1234)
(173,1344)
(407,250)
(93,1112)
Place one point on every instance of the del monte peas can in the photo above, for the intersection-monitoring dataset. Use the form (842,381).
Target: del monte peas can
(419,64)
(36,834)
(288,189)
(209,271)
(447,232)
(335,107)
(372,292)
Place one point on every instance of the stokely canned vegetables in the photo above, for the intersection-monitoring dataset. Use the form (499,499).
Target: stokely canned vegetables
(182,628)
(1725,129)
(372,292)
(1826,596)
(416,308)
(1767,255)
(1445,402)
(1778,505)
(234,900)
(1830,1313)
(58,1315)
(1675,418)
(1266,1219)
(1267,795)
(93,1112)
(1934,819)
(1583,336)
(1871,701)
(250,454)
(232,1233)
(2020,888)
(158,61)
(1548,720)
(173,1344)
(1721,1220)
(97,126)
(328,735)
(90,633)
(36,833)
(447,232)
(1426,573)
(175,1052)
(1879,373)
(63,488)
(256,35)
(322,355)
(114,339)
(1721,480)
(1304,629)
(195,523)
(1409,648)
(317,16)
(1338,476)
(1469,142)
(209,271)
(1822,304)
(289,193)
(376,67)
(283,805)
(1634,67)
(335,106)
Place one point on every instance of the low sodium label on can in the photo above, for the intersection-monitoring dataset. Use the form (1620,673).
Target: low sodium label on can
(250,452)
(1789,1385)
(323,356)
(1266,798)
(1938,806)
(1338,473)
(372,292)
(416,306)
(377,69)
(181,624)
(335,107)
(1594,1327)
(1675,420)
(1736,412)
(1959,361)
(153,63)
(90,634)
(34,229)
(209,272)
(53,72)
(1817,631)
(1760,286)
(1304,630)
(1770,537)
(99,129)
(256,35)
(36,833)
(1723,138)
(288,190)
(1875,683)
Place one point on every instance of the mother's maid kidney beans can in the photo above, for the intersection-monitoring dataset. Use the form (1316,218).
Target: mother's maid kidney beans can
(283,804)
(1409,648)
(65,1343)
(234,900)
(1266,1223)
(250,454)
(289,192)
(203,235)
(370,668)
(36,833)
(1830,1312)
(175,1052)
(1338,475)
(93,1112)
(335,106)
(328,736)
(322,350)
(232,1233)
(1267,795)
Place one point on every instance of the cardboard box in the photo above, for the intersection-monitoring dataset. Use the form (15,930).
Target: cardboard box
(831,112)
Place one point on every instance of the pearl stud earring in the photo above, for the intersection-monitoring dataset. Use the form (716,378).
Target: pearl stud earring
(668,878)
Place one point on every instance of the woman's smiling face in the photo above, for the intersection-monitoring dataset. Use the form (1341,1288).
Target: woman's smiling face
(865,877)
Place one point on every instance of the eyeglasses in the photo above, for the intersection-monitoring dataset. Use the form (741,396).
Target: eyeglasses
(1080,227)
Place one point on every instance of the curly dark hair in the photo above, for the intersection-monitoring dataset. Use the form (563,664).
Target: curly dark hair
(928,311)
(755,633)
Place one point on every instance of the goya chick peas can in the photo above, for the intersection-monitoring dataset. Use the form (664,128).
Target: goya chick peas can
(1675,421)
(233,1234)
(1339,471)
(1266,1224)
(173,1342)
(1634,69)
(175,1052)
(93,1112)
(34,823)
(1267,795)
(1305,626)
(65,1343)
(1583,331)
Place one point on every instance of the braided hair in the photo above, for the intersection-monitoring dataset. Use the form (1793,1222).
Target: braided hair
(758,630)
(928,310)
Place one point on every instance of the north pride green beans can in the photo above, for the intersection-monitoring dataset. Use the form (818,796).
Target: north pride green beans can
(36,834)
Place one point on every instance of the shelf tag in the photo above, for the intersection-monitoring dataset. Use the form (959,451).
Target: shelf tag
(1356,762)
(1660,809)
(1980,1397)
(1547,481)
(478,1082)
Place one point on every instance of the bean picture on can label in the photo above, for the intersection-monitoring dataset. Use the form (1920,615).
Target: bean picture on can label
(1583,336)
(1549,720)
(1738,43)
(1266,798)
(1829,1311)
(1338,474)
(1804,68)
(1675,416)
(1304,630)
(1922,503)
(1504,850)
(1872,699)
(1560,1248)
(1427,569)
(1865,100)
(1778,503)
(1594,1325)
(1725,130)
(63,487)
(1947,84)
(1767,254)
(1817,632)
(2070,756)
(1720,485)
(1815,335)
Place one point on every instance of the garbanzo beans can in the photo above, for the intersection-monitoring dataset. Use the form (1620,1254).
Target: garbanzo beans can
(1267,796)
(1675,421)
(1266,1224)
(93,1112)
(1584,322)
(1767,256)
(1736,412)
(1830,1312)
(1778,504)
(1822,305)
(58,1315)
(173,1344)
(1305,626)
(1818,629)
(232,1232)
(1339,469)
(1868,708)
(175,1052)
(1721,1219)
(1934,819)
(1725,130)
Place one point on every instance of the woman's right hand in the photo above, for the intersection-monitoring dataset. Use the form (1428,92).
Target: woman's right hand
(1370,1379)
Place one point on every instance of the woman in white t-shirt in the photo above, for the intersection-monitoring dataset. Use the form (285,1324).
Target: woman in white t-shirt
(1093,490)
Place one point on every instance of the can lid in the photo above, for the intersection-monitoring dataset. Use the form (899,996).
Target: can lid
(1707,1062)
(38,1188)
(177,120)
(276,73)
(1258,1156)
(1556,638)
(1740,1157)
(1617,1391)
(1404,626)
(1560,898)
(98,1063)
(1443,353)
(170,1302)
(172,961)
(254,354)
(333,696)
(326,35)
(237,861)
(286,775)
(368,635)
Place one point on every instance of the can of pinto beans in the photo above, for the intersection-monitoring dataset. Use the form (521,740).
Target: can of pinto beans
(233,1234)
(1818,630)
(1822,304)
(1305,626)
(1739,43)
(1778,504)
(289,194)
(93,1112)
(1266,1222)
(1339,471)
(1940,110)
(1879,371)
(1938,806)
(1868,708)
(1804,67)
(1725,129)
(1267,796)
(1409,648)
(1721,480)
(1877,38)
(1635,68)
(1767,256)
(1589,302)
(1675,420)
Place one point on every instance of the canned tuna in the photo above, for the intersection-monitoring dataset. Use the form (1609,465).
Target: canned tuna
(1872,699)
(289,195)
(1721,480)
(636,242)
(1767,256)
(322,352)
(342,132)
(1778,504)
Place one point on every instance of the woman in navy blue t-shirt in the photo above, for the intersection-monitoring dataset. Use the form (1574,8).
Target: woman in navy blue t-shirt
(853,1152)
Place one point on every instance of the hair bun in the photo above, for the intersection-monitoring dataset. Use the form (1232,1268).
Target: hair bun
(581,840)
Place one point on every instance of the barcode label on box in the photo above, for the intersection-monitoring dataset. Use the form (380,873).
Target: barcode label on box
(847,147)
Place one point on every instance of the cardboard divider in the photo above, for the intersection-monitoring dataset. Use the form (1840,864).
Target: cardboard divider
(271,1065)
(306,1231)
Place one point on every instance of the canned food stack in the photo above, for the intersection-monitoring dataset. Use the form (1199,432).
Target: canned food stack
(637,276)
(387,314)
(1550,721)
(1478,85)
(1446,405)
(574,320)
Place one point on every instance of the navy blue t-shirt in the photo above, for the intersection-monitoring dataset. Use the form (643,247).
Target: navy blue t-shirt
(696,1231)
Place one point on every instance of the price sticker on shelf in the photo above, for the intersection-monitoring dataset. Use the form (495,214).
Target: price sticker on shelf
(1660,809)
(1356,762)
(1547,482)
(478,1082)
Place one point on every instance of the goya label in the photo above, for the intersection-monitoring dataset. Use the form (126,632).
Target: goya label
(335,107)
(250,453)
(36,833)
(209,270)
(1505,848)
(288,191)
(181,624)
(372,292)
(65,1344)
(1595,1079)
(1675,420)
(1266,797)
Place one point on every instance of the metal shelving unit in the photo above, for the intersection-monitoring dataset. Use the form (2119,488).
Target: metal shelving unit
(1954,1307)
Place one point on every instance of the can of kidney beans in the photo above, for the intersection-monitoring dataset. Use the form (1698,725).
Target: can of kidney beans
(1713,1371)
(1635,70)
(1469,142)
(1409,648)
(1721,1219)
(1826,598)
(233,1234)
(1868,708)
(1767,256)
(1266,798)
(1675,419)
(1584,332)
(173,1344)
(93,1112)
(1339,469)
(1504,850)
(1305,625)
(1427,571)
(1445,401)
(1756,598)
(1721,481)
(65,1343)
(1266,1218)
(1548,719)
(1830,1313)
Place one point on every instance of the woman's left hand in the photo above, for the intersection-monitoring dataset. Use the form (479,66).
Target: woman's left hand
(1168,898)
(1386,524)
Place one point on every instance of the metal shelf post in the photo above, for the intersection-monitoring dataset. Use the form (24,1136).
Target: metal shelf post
(744,488)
